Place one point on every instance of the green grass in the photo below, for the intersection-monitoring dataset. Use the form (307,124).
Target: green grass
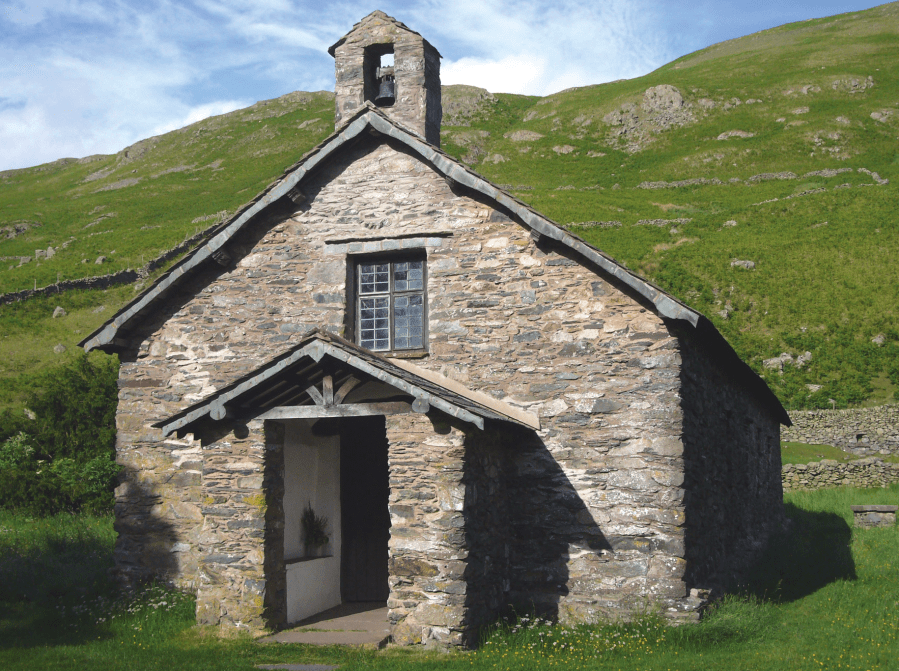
(802,453)
(30,333)
(824,595)
(825,279)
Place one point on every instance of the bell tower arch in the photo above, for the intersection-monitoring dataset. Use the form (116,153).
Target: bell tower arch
(382,61)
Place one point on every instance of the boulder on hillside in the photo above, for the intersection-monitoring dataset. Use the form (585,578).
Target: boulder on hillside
(662,107)
(523,136)
(777,363)
(663,98)
(734,133)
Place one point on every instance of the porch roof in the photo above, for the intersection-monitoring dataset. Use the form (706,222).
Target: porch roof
(316,376)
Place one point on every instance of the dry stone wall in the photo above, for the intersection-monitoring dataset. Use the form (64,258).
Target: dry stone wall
(862,431)
(867,472)
(596,496)
(126,276)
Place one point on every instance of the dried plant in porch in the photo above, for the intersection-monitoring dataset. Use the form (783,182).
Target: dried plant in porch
(314,527)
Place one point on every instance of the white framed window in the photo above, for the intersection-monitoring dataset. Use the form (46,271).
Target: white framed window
(390,304)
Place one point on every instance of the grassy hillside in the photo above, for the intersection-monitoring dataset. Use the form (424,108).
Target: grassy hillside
(778,150)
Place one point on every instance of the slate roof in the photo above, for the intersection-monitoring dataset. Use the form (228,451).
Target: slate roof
(284,379)
(368,118)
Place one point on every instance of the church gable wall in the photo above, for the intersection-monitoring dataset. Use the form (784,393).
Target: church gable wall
(507,316)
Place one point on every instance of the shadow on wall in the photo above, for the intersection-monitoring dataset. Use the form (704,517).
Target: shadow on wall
(145,549)
(815,552)
(733,496)
(523,519)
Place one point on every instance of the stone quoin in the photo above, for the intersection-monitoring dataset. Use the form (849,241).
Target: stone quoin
(487,411)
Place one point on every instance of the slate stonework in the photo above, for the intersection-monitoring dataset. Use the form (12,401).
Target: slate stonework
(596,515)
(733,497)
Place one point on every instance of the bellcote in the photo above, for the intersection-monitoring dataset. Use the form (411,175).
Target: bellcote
(381,50)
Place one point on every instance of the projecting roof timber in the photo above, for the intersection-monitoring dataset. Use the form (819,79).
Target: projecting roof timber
(305,365)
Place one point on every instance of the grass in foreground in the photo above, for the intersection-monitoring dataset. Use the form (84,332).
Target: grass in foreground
(825,596)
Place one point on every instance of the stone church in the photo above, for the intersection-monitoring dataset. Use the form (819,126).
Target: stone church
(387,380)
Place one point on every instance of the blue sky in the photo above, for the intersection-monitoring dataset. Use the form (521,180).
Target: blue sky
(81,77)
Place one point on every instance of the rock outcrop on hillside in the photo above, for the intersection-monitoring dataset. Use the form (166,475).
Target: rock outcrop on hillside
(460,103)
(633,126)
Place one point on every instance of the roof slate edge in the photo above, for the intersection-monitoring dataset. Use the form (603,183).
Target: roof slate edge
(501,407)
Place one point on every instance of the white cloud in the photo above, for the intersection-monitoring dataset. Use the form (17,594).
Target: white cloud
(539,48)
(199,113)
(513,74)
(288,35)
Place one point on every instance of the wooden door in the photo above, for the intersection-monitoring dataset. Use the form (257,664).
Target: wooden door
(365,519)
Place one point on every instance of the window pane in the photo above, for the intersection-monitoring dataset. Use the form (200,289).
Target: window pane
(408,321)
(374,323)
(400,276)
(416,274)
(374,278)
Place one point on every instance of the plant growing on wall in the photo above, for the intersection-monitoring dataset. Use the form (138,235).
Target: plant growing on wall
(315,534)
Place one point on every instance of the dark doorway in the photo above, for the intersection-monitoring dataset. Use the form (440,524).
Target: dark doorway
(365,520)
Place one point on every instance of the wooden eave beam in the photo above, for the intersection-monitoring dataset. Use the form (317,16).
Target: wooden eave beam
(347,410)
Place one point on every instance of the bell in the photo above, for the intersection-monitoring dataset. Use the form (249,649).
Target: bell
(386,93)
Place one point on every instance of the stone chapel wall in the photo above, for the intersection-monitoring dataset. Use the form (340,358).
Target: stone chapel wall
(523,322)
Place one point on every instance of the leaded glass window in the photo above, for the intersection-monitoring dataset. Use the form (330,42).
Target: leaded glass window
(391,306)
